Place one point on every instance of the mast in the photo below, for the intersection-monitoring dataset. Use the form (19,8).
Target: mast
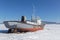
(33,12)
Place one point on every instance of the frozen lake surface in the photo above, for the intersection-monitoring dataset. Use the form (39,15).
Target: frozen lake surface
(50,32)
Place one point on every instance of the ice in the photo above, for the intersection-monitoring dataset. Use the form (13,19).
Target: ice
(50,32)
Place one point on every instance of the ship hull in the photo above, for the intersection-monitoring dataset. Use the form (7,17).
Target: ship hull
(23,26)
(30,29)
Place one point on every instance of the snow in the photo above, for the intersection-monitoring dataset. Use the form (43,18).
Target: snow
(50,32)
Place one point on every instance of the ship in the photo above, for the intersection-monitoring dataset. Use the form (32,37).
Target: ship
(24,25)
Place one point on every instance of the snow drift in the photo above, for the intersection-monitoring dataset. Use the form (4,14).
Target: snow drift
(50,32)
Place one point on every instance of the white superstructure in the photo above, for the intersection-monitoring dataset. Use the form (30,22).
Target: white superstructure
(26,24)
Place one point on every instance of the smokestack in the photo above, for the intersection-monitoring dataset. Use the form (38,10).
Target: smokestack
(23,19)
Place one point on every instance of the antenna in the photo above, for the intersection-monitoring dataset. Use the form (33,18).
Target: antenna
(33,11)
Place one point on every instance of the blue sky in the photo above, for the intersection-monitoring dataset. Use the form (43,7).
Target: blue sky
(48,10)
